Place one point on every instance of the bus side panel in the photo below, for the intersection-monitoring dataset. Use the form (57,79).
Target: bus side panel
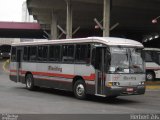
(53,83)
(87,72)
(13,71)
(27,67)
(13,78)
(59,76)
(157,73)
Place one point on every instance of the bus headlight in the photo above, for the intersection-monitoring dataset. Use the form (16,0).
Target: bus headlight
(142,83)
(110,84)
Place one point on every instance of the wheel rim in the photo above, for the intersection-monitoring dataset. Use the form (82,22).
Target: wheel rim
(80,90)
(149,77)
(29,82)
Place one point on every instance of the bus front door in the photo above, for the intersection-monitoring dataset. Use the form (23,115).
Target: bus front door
(19,58)
(100,70)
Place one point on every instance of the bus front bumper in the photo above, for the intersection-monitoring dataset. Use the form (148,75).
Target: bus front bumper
(127,90)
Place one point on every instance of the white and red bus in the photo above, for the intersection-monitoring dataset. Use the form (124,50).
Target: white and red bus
(101,66)
(152,59)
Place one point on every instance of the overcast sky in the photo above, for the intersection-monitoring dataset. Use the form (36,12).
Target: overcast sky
(11,10)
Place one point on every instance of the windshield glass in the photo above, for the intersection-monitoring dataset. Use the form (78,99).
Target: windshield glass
(126,60)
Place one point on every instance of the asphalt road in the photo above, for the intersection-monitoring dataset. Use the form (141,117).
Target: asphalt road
(15,98)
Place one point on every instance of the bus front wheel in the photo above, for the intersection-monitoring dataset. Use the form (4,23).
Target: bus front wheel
(80,89)
(29,82)
(150,76)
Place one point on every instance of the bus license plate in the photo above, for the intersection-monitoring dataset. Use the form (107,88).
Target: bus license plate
(129,89)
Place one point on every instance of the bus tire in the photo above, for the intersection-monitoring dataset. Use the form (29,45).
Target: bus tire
(150,76)
(79,89)
(29,82)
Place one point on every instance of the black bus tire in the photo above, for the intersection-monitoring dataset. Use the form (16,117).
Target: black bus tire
(79,89)
(29,82)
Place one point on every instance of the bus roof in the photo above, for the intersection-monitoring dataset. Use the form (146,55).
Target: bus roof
(111,41)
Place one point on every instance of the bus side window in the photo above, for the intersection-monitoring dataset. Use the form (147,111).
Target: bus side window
(25,54)
(158,58)
(55,53)
(68,53)
(83,53)
(13,54)
(33,53)
(45,53)
(40,53)
(93,60)
(148,56)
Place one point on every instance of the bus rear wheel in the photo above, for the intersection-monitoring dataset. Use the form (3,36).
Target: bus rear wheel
(29,82)
(79,89)
(150,76)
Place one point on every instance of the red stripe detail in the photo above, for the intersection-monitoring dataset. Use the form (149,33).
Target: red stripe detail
(153,68)
(53,74)
(13,70)
(91,77)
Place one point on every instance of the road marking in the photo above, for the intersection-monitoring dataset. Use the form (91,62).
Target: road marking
(4,66)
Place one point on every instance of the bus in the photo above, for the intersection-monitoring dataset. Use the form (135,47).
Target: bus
(5,51)
(101,66)
(152,58)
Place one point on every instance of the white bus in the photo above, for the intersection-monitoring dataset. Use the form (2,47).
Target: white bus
(107,67)
(152,58)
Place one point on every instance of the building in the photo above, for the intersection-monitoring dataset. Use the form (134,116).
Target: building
(25,14)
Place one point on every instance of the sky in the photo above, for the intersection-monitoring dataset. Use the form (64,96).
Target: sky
(11,10)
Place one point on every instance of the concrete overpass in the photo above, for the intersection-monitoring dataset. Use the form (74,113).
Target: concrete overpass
(20,30)
(134,17)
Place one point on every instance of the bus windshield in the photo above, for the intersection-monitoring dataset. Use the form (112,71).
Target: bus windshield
(126,60)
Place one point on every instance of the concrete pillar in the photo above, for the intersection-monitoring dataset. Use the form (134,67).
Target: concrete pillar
(69,19)
(54,26)
(106,18)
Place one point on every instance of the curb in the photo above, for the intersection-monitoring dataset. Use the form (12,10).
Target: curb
(153,83)
(153,87)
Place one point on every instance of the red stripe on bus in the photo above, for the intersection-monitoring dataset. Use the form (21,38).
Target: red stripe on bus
(153,68)
(91,77)
(53,74)
(13,70)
